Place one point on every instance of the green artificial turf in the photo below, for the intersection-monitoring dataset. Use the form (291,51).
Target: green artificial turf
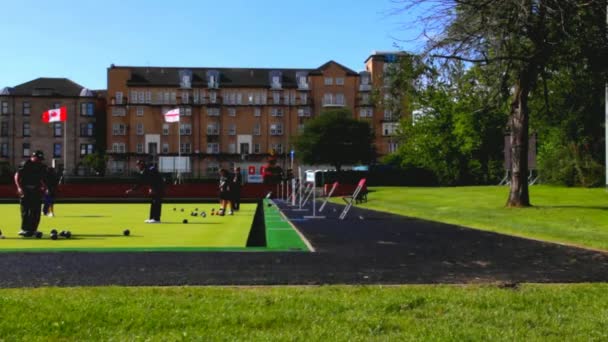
(327,313)
(98,227)
(280,234)
(576,216)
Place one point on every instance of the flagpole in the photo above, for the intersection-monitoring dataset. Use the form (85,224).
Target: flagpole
(179,152)
(65,146)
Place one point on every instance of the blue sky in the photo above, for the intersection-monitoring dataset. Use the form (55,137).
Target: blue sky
(80,39)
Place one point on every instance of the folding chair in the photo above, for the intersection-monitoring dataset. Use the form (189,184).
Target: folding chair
(350,200)
(333,188)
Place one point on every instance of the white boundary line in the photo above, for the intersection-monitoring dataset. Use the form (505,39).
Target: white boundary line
(306,242)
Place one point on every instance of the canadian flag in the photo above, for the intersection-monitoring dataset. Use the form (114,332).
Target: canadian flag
(172,115)
(55,115)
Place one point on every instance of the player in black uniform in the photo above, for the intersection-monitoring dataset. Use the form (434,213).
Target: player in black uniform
(30,182)
(149,175)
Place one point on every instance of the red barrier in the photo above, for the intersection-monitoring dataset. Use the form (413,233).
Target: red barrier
(118,190)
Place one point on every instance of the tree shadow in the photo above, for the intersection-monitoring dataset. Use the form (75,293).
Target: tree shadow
(594,207)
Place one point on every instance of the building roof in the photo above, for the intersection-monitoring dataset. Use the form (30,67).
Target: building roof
(384,54)
(228,77)
(44,86)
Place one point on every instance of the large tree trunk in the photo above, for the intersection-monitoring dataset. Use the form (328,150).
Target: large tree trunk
(518,195)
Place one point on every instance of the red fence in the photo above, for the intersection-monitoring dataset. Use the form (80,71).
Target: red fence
(118,190)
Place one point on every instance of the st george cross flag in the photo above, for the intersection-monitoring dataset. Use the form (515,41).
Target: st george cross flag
(172,115)
(55,115)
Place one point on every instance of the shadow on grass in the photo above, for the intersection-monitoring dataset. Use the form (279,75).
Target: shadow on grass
(594,207)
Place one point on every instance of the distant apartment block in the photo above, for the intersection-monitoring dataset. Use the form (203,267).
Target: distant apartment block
(232,115)
(22,130)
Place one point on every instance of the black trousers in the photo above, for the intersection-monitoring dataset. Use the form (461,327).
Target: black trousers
(156,207)
(30,211)
(236,199)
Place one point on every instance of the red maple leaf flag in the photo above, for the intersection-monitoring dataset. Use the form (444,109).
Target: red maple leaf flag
(55,115)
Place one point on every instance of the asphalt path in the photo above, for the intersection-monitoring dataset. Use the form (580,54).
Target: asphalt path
(368,247)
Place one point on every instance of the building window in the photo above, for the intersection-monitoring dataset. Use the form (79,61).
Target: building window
(186,111)
(119,129)
(339,80)
(213,169)
(232,148)
(232,129)
(4,129)
(213,111)
(165,148)
(26,149)
(148,96)
(213,129)
(185,129)
(86,149)
(185,148)
(276,111)
(278,148)
(328,99)
(366,113)
(276,129)
(4,107)
(256,148)
(4,150)
(257,130)
(239,98)
(231,111)
(212,97)
(117,166)
(276,97)
(57,129)
(139,128)
(119,97)
(213,148)
(140,148)
(257,111)
(118,147)
(87,109)
(57,150)
(27,108)
(140,111)
(329,81)
(303,98)
(185,97)
(300,128)
(56,105)
(392,146)
(26,129)
(165,129)
(340,99)
(119,112)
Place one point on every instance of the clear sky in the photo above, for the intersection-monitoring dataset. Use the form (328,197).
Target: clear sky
(80,39)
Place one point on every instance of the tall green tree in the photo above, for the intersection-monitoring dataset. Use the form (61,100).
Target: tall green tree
(459,135)
(335,138)
(521,37)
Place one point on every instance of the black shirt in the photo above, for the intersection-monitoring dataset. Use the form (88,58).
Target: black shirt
(151,177)
(31,174)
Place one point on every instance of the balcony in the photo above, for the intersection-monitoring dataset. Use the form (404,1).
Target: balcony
(303,86)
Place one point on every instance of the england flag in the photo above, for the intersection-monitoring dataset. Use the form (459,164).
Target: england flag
(172,115)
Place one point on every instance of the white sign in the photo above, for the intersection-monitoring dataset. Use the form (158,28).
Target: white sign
(255,179)
(310,176)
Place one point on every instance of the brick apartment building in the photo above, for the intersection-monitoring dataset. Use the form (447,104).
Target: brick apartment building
(22,130)
(232,116)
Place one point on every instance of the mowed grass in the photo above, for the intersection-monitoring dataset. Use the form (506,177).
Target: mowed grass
(575,216)
(100,227)
(328,313)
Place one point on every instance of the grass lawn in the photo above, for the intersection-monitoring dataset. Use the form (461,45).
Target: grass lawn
(362,313)
(100,227)
(575,216)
